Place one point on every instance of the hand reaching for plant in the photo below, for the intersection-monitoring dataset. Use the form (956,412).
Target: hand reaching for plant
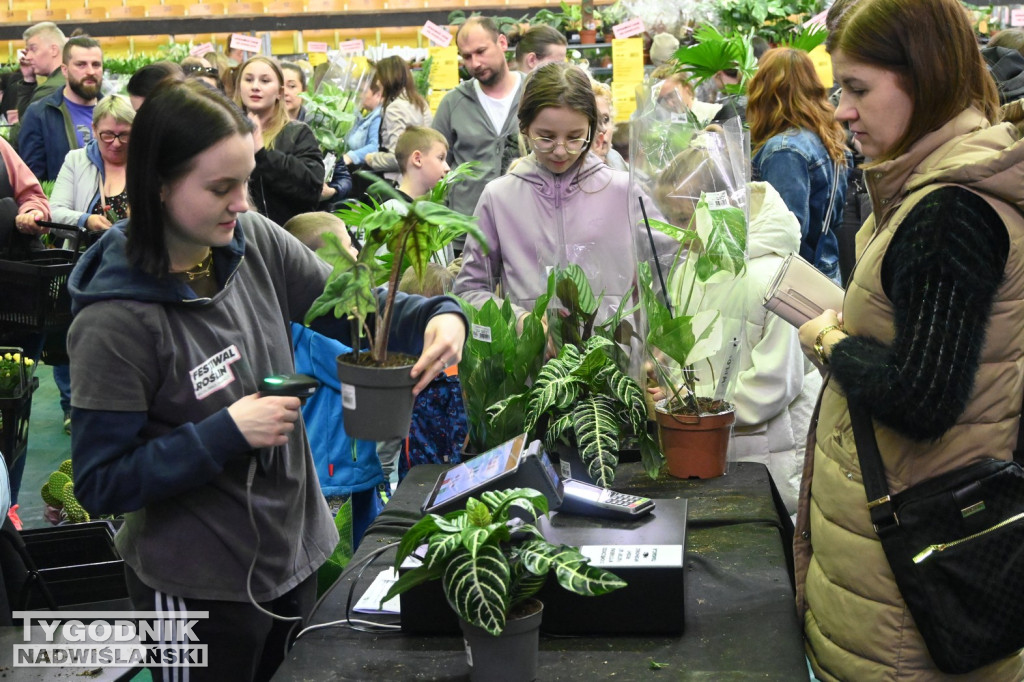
(265,421)
(442,347)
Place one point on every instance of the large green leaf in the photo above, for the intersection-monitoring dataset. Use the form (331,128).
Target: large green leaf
(478,587)
(723,234)
(572,569)
(556,386)
(597,437)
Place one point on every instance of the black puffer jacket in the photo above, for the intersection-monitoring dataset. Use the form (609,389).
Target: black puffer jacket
(288,179)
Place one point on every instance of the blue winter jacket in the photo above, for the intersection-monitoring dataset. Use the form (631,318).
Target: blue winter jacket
(344,465)
(798,166)
(364,137)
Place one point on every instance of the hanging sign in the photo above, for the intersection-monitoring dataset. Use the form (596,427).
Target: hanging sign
(314,46)
(355,46)
(245,43)
(436,34)
(628,29)
(200,50)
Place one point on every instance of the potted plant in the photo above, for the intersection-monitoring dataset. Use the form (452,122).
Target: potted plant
(583,400)
(694,332)
(713,52)
(572,22)
(499,361)
(376,388)
(774,19)
(611,16)
(490,566)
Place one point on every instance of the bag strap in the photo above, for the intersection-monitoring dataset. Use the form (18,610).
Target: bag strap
(831,199)
(872,470)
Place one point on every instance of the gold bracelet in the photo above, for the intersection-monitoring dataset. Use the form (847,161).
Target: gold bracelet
(819,348)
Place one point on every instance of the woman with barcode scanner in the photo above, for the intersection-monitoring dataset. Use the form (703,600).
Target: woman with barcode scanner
(180,312)
(909,563)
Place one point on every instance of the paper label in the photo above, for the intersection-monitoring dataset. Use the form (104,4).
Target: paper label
(628,29)
(245,43)
(314,46)
(214,373)
(355,46)
(611,556)
(370,601)
(566,468)
(481,333)
(348,397)
(717,200)
(436,34)
(1017,17)
(200,50)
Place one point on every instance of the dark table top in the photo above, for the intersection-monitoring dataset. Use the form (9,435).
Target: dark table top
(740,618)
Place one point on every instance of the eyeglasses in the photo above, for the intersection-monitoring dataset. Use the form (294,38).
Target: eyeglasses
(109,137)
(545,145)
(199,70)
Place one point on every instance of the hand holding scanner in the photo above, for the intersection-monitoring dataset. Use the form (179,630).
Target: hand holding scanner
(299,385)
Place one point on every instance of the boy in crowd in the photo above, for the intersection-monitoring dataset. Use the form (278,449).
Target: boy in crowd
(422,155)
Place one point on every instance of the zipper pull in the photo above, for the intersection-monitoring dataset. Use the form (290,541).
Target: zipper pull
(927,552)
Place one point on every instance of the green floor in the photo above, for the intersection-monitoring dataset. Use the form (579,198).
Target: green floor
(48,446)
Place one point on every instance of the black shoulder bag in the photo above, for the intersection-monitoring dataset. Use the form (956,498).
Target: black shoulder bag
(955,544)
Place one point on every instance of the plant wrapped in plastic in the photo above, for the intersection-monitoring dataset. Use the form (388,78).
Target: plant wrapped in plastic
(489,562)
(694,298)
(331,102)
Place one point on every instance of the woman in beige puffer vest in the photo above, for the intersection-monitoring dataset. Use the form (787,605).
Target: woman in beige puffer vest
(931,339)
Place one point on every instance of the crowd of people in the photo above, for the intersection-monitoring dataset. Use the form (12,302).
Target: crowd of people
(184,185)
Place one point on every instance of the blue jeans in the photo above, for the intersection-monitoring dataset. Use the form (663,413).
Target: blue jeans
(62,377)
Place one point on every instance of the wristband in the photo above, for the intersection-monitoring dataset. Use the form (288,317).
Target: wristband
(819,349)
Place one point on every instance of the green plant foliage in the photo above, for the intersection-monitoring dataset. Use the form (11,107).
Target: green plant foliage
(411,233)
(806,38)
(485,572)
(712,249)
(498,362)
(332,569)
(330,113)
(421,76)
(581,398)
(774,20)
(713,52)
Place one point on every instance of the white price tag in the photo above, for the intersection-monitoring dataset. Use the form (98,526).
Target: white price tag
(348,397)
(481,333)
(628,29)
(245,43)
(566,469)
(1017,17)
(436,34)
(611,556)
(717,200)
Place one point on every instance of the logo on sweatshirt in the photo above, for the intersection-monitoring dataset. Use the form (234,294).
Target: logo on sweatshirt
(215,372)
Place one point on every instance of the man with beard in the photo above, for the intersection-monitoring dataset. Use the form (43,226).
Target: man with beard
(56,124)
(480,117)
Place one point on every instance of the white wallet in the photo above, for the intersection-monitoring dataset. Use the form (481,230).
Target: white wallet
(799,292)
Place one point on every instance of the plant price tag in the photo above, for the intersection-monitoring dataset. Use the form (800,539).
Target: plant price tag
(628,29)
(245,43)
(314,46)
(436,34)
(200,50)
(611,556)
(717,200)
(348,397)
(354,46)
(481,333)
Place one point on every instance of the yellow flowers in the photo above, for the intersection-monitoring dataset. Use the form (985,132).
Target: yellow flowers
(15,372)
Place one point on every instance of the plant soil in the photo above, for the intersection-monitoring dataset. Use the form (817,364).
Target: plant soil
(525,608)
(366,360)
(705,406)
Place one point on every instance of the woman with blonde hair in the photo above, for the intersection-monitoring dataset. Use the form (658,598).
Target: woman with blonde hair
(800,149)
(289,174)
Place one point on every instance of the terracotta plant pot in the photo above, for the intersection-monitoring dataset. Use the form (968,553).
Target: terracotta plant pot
(377,401)
(509,657)
(588,37)
(695,446)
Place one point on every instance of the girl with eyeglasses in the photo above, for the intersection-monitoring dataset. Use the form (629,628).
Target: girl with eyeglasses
(558,205)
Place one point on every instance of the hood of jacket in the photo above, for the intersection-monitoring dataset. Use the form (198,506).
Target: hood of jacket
(773,229)
(92,152)
(967,151)
(104,273)
(589,174)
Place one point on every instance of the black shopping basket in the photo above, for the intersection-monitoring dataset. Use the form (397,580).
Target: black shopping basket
(35,290)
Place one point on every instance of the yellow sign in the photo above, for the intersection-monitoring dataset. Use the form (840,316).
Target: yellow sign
(627,74)
(444,69)
(823,65)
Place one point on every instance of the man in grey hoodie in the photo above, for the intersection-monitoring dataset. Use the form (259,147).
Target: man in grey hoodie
(480,117)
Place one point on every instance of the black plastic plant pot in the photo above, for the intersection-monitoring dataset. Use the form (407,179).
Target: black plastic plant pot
(509,657)
(377,401)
